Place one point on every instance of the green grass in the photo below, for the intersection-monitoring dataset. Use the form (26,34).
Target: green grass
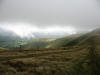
(61,42)
(3,49)
(80,57)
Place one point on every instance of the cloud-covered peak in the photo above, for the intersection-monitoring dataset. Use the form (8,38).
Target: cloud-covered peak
(28,30)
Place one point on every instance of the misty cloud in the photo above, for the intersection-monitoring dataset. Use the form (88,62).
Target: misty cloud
(81,14)
(28,30)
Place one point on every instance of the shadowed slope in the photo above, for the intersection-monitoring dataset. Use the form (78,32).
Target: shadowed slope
(80,59)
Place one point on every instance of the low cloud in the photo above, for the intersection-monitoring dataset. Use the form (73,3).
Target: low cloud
(79,14)
(28,30)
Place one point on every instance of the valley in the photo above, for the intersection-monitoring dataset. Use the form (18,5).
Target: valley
(82,58)
(49,37)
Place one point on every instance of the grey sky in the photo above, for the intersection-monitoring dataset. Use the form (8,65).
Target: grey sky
(81,14)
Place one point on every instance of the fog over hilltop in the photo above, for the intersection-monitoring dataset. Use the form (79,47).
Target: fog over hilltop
(49,17)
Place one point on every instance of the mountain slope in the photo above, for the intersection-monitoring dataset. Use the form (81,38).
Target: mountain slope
(80,58)
(50,43)
(61,42)
(3,49)
(37,44)
(84,38)
(10,40)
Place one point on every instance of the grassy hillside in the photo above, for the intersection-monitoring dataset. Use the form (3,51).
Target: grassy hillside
(37,44)
(61,42)
(3,49)
(80,59)
(50,43)
(12,41)
(83,38)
